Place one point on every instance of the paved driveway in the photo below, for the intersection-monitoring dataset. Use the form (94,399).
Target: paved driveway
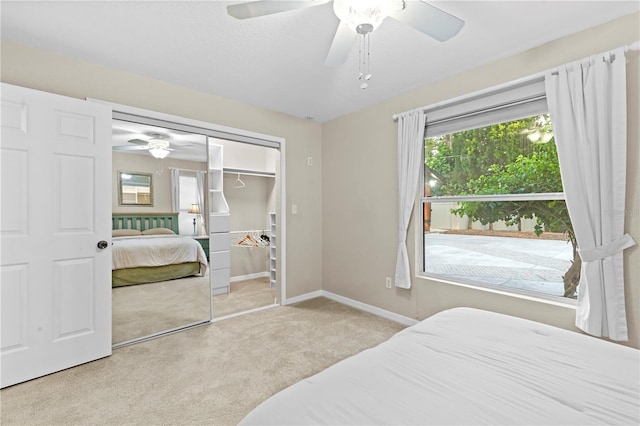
(529,264)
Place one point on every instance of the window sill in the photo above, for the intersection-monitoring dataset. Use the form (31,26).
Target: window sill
(520,294)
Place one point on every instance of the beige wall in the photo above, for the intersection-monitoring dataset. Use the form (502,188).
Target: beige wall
(51,72)
(359,196)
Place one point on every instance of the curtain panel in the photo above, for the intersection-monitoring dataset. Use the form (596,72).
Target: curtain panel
(587,104)
(200,195)
(411,128)
(175,190)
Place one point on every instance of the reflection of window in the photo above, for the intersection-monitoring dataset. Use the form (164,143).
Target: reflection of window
(133,194)
(188,196)
(493,207)
(135,188)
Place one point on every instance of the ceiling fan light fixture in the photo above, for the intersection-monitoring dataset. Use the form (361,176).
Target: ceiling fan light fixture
(158,147)
(363,16)
(159,152)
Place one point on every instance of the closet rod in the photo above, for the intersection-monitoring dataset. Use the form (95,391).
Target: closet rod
(248,172)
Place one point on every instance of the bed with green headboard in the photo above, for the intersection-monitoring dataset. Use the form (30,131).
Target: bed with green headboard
(147,249)
(144,221)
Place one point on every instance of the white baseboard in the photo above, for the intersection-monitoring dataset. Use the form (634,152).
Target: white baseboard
(354,304)
(249,276)
(370,308)
(302,297)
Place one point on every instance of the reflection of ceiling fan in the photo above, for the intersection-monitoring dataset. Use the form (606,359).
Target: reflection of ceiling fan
(156,145)
(361,17)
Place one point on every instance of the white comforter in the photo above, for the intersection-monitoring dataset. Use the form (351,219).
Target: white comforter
(469,367)
(156,250)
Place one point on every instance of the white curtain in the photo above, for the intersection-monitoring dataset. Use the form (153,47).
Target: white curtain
(410,146)
(200,200)
(587,104)
(175,190)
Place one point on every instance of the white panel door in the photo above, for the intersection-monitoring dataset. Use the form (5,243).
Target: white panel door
(55,282)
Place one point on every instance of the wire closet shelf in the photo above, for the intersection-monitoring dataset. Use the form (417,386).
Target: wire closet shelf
(250,238)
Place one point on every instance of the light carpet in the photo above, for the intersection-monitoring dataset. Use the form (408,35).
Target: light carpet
(243,296)
(209,375)
(144,309)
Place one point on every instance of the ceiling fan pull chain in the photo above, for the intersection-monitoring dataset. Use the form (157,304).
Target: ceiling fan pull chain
(368,64)
(365,61)
(360,47)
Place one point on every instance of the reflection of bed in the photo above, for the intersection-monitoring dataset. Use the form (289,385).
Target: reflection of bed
(146,249)
(466,366)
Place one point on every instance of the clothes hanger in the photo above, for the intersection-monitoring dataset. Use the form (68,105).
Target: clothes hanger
(248,240)
(260,242)
(238,183)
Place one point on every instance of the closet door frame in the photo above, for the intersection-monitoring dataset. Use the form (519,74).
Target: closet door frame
(145,116)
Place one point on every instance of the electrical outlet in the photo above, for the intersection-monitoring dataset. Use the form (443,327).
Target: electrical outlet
(294,209)
(309,161)
(387,284)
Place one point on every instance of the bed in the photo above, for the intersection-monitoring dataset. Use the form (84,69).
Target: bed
(467,367)
(147,249)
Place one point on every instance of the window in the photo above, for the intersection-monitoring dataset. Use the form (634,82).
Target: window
(493,205)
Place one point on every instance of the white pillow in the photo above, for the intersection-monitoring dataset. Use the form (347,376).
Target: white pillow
(158,231)
(125,232)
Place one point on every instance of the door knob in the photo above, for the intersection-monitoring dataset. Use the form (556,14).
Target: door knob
(103,244)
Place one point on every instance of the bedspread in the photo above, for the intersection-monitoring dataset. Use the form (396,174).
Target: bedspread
(469,367)
(156,250)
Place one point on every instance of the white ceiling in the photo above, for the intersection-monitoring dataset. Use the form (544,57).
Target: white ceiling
(277,61)
(183,145)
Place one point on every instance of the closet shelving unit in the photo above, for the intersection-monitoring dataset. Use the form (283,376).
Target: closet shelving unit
(272,250)
(219,226)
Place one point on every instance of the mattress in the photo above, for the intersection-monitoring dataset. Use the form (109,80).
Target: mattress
(471,367)
(154,258)
(156,250)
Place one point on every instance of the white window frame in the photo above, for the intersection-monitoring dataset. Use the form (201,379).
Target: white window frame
(503,103)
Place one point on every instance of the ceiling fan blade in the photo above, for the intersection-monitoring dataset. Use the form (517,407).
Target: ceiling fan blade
(341,46)
(138,141)
(429,20)
(253,9)
(129,147)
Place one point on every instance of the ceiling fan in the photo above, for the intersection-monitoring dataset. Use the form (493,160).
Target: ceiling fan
(156,145)
(361,17)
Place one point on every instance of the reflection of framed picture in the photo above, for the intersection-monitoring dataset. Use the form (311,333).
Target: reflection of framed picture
(135,189)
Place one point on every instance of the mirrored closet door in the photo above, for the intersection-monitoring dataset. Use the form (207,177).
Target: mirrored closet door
(161,275)
(219,195)
(243,199)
